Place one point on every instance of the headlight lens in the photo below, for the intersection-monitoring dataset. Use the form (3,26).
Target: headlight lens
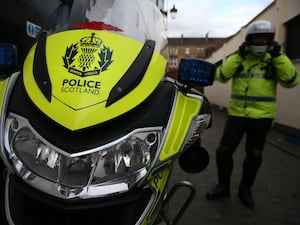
(116,166)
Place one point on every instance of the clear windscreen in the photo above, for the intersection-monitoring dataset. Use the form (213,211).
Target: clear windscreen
(137,19)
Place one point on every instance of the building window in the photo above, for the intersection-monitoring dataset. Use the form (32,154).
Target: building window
(200,52)
(173,62)
(187,51)
(293,37)
(173,51)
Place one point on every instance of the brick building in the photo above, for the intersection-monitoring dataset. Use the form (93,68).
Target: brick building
(190,47)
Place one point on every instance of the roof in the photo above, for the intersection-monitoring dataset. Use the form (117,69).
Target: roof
(195,41)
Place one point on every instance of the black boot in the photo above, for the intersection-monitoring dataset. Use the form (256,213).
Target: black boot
(246,198)
(219,192)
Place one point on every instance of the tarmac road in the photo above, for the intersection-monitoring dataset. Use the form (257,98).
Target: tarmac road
(276,191)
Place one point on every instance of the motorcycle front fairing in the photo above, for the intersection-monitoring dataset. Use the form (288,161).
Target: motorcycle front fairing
(145,195)
(108,197)
(89,127)
(74,75)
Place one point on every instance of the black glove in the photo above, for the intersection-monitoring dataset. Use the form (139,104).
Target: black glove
(242,50)
(275,49)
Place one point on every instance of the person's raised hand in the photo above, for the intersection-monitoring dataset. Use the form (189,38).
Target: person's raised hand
(274,49)
(243,50)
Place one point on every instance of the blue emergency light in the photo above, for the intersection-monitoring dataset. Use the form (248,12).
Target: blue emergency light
(8,56)
(196,72)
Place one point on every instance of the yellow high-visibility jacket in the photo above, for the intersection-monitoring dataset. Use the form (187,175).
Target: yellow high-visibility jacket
(254,83)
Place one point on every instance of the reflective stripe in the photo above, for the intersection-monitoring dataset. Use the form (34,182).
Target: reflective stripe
(248,75)
(254,98)
(222,76)
(290,81)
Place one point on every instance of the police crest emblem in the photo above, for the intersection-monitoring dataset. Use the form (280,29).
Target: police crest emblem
(88,57)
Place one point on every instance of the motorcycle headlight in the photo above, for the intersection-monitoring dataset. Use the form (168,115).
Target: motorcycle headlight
(108,169)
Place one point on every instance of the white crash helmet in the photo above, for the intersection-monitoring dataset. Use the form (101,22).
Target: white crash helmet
(260,28)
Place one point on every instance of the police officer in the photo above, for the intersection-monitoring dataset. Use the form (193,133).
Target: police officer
(255,70)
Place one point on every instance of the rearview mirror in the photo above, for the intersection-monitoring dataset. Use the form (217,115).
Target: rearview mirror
(8,56)
(196,72)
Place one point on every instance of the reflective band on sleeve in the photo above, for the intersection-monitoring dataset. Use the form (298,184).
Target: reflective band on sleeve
(222,76)
(247,75)
(253,98)
(292,80)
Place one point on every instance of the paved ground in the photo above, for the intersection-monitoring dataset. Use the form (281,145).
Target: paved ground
(276,191)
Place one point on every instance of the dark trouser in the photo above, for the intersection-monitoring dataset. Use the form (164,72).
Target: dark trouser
(256,131)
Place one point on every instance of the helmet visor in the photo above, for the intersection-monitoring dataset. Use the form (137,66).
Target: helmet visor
(261,39)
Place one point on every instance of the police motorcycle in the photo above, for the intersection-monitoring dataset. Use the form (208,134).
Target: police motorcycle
(91,126)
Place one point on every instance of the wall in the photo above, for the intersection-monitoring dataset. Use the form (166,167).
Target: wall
(288,104)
